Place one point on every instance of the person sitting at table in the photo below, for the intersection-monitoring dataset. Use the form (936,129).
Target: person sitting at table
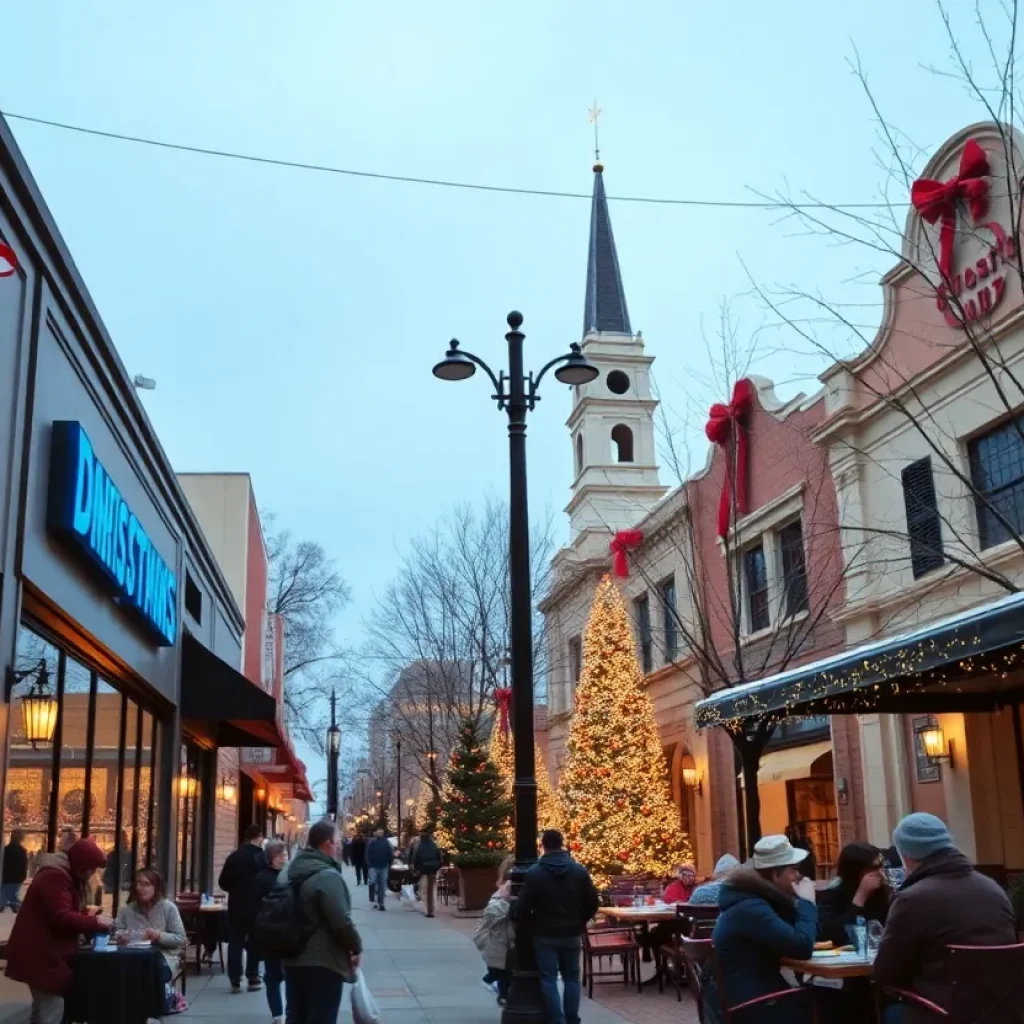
(942,902)
(680,889)
(768,913)
(47,928)
(154,917)
(707,894)
(859,890)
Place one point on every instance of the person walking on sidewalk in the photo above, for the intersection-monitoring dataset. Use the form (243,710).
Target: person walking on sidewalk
(558,898)
(314,979)
(357,852)
(237,879)
(426,863)
(15,872)
(276,856)
(379,855)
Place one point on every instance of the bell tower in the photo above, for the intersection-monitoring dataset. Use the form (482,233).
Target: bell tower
(615,473)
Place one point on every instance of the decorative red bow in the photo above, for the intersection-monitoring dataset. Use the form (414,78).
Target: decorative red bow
(7,256)
(503,698)
(719,429)
(938,199)
(622,543)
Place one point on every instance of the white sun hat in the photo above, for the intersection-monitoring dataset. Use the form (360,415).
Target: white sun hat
(777,852)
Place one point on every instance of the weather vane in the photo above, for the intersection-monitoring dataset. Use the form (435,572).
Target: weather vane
(592,115)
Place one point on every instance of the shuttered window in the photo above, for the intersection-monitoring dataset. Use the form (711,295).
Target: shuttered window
(923,525)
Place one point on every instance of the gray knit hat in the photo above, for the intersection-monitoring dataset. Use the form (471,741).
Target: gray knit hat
(919,835)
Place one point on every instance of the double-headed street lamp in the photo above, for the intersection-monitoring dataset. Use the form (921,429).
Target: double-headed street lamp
(516,394)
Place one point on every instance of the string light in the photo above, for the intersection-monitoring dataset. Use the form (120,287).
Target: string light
(619,815)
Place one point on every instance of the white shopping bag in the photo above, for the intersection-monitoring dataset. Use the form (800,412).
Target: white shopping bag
(408,893)
(364,1006)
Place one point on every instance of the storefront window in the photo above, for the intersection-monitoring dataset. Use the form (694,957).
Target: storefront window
(101,752)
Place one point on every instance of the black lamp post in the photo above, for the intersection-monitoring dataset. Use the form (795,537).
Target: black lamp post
(398,782)
(382,821)
(333,749)
(516,395)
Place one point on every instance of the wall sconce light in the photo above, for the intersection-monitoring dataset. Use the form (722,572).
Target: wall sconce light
(692,779)
(936,746)
(188,786)
(261,794)
(226,791)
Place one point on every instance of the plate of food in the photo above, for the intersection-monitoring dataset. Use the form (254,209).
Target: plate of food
(144,944)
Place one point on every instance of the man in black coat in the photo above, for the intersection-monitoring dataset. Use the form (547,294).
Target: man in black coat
(557,900)
(15,872)
(357,851)
(237,879)
(426,862)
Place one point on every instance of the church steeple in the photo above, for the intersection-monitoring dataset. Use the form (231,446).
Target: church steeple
(605,308)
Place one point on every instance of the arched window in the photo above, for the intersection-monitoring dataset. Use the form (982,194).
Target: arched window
(579,454)
(622,443)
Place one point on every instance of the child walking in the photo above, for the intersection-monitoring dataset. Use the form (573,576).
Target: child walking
(493,934)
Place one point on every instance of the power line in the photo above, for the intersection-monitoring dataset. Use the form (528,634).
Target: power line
(439,182)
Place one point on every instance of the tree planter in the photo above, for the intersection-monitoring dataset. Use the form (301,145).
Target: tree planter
(476,886)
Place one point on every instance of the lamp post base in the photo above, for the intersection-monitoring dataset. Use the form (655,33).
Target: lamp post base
(525,1003)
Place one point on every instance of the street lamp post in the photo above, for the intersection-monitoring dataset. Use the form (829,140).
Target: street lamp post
(398,782)
(333,749)
(380,797)
(516,395)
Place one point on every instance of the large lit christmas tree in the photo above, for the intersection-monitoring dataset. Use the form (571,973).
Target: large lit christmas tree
(549,810)
(620,818)
(475,810)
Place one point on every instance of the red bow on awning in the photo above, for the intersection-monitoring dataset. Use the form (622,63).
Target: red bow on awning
(938,199)
(7,257)
(622,543)
(503,698)
(719,429)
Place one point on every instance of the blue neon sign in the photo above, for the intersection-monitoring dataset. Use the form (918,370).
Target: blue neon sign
(88,511)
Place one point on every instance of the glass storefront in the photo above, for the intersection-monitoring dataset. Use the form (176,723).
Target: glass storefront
(87,769)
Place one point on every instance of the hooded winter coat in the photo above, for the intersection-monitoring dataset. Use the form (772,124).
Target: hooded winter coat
(46,930)
(325,903)
(493,935)
(944,902)
(558,897)
(758,926)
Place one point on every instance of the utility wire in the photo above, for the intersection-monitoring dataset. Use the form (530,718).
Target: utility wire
(440,182)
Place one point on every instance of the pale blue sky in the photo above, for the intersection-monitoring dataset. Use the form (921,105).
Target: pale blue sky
(291,318)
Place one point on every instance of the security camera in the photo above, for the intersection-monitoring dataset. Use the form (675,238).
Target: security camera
(144,383)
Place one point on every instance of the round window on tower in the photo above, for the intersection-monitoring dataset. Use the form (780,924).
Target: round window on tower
(618,382)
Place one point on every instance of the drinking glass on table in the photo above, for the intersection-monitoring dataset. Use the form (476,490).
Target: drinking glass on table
(874,937)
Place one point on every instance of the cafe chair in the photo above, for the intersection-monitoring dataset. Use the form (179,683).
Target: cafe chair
(988,983)
(698,954)
(669,955)
(188,904)
(702,918)
(902,995)
(789,996)
(611,943)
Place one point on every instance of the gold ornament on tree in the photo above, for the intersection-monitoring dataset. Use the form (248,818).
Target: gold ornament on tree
(617,800)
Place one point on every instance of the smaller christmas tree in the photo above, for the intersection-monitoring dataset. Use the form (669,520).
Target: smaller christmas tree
(475,810)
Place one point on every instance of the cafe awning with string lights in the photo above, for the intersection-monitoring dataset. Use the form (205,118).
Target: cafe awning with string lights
(970,662)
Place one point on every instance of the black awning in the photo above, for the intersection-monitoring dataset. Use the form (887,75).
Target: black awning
(220,705)
(969,662)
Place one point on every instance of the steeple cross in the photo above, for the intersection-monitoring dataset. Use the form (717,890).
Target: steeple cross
(592,115)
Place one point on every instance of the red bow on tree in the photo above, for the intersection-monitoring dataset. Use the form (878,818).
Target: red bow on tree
(622,543)
(7,257)
(938,199)
(719,428)
(503,698)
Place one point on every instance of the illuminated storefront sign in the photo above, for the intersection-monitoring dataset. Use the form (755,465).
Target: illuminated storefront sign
(88,511)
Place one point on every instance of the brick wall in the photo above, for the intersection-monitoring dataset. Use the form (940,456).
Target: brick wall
(225,828)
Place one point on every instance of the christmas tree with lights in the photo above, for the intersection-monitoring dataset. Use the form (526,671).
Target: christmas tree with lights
(620,818)
(549,810)
(475,810)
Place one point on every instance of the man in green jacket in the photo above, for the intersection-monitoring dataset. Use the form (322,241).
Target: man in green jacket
(315,978)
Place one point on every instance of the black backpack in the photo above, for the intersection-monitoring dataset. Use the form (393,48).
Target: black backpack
(281,929)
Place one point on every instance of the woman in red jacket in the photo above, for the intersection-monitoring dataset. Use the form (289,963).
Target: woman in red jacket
(46,930)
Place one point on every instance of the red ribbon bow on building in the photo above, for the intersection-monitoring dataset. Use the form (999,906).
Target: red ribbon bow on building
(7,257)
(719,429)
(503,698)
(939,199)
(622,543)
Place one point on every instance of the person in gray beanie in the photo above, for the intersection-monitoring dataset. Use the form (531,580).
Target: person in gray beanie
(942,902)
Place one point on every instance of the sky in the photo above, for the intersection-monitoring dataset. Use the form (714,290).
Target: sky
(291,318)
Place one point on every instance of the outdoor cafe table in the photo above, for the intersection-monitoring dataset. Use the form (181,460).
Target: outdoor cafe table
(116,986)
(640,915)
(845,965)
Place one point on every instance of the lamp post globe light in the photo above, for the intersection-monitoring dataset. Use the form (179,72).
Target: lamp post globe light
(515,393)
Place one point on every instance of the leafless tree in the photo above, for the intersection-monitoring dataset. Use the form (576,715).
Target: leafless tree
(438,638)
(307,591)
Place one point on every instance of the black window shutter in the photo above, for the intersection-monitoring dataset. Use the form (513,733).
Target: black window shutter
(923,525)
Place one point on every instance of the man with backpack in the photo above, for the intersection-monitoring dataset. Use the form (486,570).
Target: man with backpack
(426,862)
(329,945)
